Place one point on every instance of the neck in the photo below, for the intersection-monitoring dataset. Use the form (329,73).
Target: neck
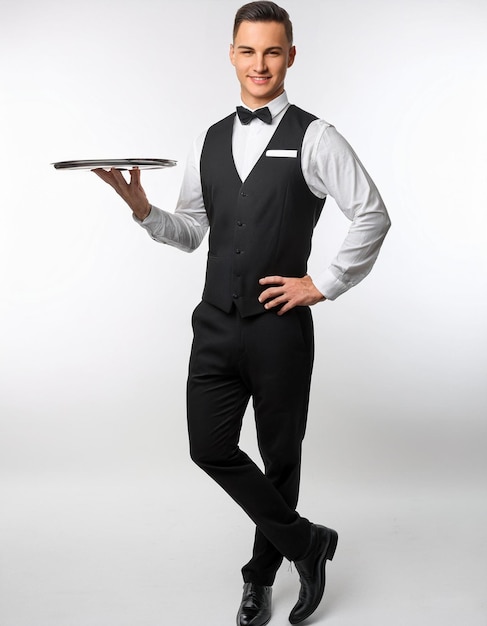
(258,104)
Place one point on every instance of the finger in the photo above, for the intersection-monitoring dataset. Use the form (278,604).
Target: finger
(107,177)
(118,176)
(275,280)
(269,294)
(103,174)
(135,176)
(287,307)
(119,183)
(278,301)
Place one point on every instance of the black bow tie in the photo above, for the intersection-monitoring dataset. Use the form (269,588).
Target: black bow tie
(246,116)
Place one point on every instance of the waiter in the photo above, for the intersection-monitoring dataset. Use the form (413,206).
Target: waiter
(258,180)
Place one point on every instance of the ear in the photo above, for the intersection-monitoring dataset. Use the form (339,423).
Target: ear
(232,54)
(292,56)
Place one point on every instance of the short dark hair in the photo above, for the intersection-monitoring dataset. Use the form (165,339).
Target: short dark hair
(263,11)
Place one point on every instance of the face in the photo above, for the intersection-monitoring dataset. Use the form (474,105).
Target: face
(261,55)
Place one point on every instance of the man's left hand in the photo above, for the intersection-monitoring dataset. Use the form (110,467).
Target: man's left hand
(289,292)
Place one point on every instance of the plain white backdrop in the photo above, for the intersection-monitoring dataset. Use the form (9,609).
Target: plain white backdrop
(104,519)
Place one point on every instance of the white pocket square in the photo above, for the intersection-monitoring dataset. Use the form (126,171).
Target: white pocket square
(290,154)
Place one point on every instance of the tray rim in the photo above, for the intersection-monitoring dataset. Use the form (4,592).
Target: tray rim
(143,163)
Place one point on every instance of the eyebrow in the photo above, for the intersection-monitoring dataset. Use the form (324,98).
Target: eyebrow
(242,47)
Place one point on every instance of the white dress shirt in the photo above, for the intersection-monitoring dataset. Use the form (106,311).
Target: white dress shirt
(330,167)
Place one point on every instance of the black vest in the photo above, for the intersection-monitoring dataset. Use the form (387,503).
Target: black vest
(261,227)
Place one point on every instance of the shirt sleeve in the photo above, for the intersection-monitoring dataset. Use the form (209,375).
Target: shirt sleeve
(186,227)
(331,167)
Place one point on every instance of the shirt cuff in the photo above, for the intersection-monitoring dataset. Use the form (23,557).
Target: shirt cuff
(329,285)
(147,221)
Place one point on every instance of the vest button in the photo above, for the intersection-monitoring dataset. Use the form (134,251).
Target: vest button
(243,194)
(234,296)
(239,224)
(237,251)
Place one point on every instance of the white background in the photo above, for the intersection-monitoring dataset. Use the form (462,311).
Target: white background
(106,521)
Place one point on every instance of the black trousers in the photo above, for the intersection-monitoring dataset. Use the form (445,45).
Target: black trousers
(268,358)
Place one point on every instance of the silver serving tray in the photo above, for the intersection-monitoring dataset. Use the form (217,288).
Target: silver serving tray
(119,164)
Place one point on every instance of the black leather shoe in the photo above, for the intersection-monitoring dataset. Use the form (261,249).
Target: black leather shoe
(255,609)
(312,572)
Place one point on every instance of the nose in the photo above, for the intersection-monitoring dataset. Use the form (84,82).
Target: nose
(260,64)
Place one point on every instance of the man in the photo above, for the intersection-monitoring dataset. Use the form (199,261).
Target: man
(258,180)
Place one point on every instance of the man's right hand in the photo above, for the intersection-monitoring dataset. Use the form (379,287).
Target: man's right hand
(132,192)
